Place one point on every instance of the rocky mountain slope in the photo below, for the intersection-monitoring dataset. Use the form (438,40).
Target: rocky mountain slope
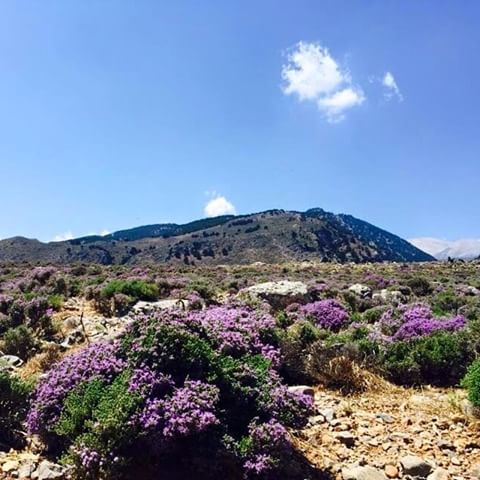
(271,236)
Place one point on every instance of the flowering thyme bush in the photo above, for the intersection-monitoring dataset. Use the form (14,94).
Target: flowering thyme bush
(196,387)
(415,321)
(328,314)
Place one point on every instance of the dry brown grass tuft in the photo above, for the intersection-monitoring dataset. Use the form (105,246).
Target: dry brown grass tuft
(41,362)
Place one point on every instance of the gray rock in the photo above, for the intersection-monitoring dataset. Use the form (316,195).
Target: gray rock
(302,389)
(384,417)
(146,307)
(328,413)
(363,291)
(439,474)
(415,466)
(279,294)
(10,361)
(362,473)
(26,469)
(389,296)
(48,471)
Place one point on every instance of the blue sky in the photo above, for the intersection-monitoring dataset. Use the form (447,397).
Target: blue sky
(117,113)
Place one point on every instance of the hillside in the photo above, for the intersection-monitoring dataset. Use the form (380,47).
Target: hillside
(271,236)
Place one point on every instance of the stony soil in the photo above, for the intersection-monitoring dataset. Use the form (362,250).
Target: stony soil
(379,428)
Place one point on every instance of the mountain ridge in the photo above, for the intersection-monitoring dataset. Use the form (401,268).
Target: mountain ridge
(270,236)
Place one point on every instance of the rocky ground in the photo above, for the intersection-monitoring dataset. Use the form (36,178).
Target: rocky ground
(394,433)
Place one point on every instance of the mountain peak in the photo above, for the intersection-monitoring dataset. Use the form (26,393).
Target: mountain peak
(272,236)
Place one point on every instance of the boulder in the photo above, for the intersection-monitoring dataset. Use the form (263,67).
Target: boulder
(363,291)
(389,296)
(146,307)
(279,294)
(415,466)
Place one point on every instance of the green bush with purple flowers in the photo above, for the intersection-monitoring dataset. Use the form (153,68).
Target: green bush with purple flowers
(201,385)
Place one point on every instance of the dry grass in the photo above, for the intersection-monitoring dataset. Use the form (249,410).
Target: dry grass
(41,362)
(344,374)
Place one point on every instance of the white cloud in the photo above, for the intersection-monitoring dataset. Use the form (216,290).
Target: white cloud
(336,104)
(313,74)
(104,232)
(219,205)
(63,236)
(391,86)
(466,249)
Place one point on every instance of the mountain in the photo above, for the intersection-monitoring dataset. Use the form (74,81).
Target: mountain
(466,249)
(273,236)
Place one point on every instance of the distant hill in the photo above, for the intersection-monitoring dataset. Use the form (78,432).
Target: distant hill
(271,236)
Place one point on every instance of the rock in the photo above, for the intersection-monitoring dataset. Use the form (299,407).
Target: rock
(302,390)
(363,291)
(145,307)
(415,466)
(389,296)
(48,471)
(445,445)
(346,438)
(455,461)
(475,471)
(26,469)
(439,474)
(76,336)
(279,294)
(391,471)
(384,417)
(9,466)
(469,290)
(8,362)
(328,413)
(362,473)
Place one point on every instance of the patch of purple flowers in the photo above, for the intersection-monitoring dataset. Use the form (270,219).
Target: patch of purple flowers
(410,322)
(96,361)
(328,314)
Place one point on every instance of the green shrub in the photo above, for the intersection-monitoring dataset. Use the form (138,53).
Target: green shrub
(19,341)
(137,289)
(56,301)
(447,302)
(14,395)
(420,286)
(373,315)
(295,342)
(471,382)
(439,359)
